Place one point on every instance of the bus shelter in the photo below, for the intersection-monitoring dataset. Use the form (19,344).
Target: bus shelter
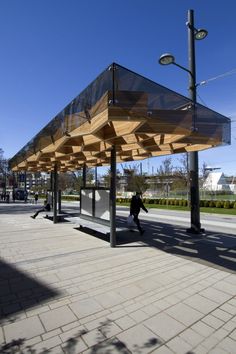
(121,116)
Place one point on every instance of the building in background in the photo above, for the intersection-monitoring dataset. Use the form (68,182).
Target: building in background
(216,181)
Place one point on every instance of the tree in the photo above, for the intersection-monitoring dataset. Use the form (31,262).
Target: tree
(135,181)
(65,181)
(181,176)
(4,171)
(165,173)
(107,177)
(139,184)
(182,173)
(166,168)
(77,179)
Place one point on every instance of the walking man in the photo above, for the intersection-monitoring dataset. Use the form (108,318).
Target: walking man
(135,206)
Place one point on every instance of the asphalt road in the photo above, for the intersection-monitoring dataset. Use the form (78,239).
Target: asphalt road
(210,222)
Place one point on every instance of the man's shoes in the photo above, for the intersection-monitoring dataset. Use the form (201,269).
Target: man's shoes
(142,232)
(33,216)
(131,230)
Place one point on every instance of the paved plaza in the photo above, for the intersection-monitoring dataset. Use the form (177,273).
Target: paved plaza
(63,291)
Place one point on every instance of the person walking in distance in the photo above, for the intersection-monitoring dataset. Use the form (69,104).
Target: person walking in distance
(36,197)
(135,206)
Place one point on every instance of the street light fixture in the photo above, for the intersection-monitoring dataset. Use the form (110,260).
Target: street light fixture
(200,34)
(166,59)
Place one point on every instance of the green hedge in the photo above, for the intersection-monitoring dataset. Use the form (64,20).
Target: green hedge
(70,197)
(226,204)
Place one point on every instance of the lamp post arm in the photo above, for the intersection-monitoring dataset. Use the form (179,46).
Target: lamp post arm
(192,77)
(182,67)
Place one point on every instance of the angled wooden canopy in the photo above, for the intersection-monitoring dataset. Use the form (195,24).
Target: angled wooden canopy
(141,118)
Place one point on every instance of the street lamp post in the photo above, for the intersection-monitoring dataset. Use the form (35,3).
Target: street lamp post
(166,59)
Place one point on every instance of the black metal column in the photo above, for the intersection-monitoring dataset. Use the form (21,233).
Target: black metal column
(55,190)
(96,176)
(113,198)
(51,181)
(51,186)
(193,156)
(59,201)
(84,175)
(25,187)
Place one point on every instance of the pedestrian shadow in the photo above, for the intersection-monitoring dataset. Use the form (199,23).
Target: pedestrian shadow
(20,292)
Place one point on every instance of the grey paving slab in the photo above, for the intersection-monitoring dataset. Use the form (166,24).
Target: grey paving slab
(222,315)
(228,344)
(56,318)
(110,346)
(164,326)
(213,321)
(184,314)
(218,296)
(74,333)
(24,329)
(109,299)
(1,336)
(139,339)
(85,308)
(203,329)
(163,350)
(93,337)
(192,337)
(48,343)
(74,345)
(229,288)
(125,322)
(179,346)
(210,342)
(201,303)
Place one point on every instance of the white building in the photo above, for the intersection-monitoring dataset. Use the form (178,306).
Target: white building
(216,181)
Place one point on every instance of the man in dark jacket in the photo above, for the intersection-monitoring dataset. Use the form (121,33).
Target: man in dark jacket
(46,207)
(135,206)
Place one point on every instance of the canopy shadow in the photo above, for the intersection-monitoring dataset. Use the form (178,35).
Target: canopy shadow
(20,292)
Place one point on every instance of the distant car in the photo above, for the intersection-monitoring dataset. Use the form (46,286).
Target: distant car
(19,194)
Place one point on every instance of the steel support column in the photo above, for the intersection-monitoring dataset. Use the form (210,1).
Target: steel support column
(84,175)
(193,156)
(55,190)
(59,201)
(113,198)
(25,187)
(96,176)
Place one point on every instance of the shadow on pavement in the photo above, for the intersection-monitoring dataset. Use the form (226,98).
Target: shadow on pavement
(18,208)
(19,292)
(213,249)
(72,345)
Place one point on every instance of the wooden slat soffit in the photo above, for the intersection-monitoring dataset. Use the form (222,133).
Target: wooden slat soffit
(137,131)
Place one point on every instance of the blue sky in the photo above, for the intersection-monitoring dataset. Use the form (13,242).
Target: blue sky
(52,49)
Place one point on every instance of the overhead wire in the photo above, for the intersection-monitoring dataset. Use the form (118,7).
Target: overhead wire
(231,72)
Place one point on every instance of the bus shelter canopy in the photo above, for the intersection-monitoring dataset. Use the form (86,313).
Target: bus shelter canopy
(140,117)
